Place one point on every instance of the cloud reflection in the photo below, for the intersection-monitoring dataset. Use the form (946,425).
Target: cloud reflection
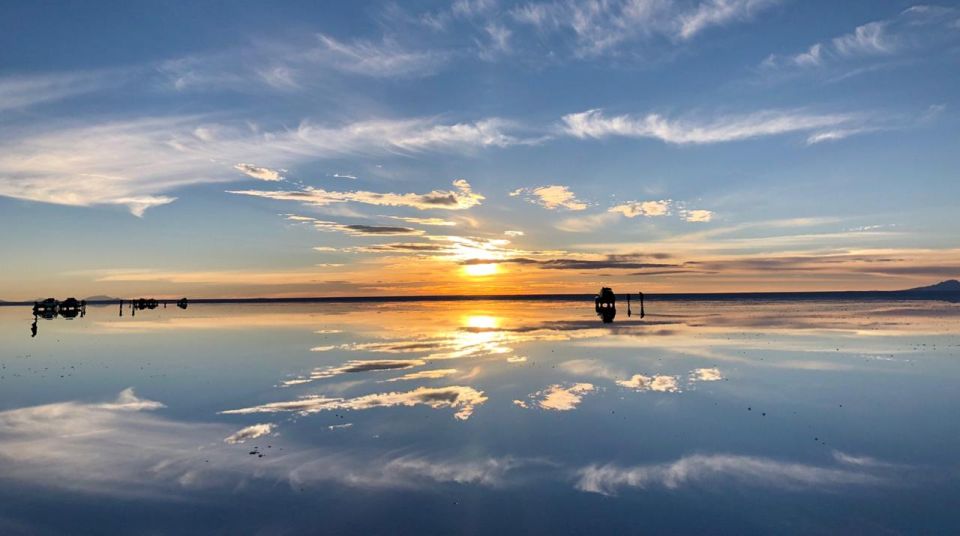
(562,398)
(722,468)
(463,399)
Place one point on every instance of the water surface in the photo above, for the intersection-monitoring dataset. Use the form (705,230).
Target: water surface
(483,417)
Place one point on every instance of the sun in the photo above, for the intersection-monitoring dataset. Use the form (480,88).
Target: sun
(480,270)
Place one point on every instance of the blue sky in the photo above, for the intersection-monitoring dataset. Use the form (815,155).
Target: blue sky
(247,148)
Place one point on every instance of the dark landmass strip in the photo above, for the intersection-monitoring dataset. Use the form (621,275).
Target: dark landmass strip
(945,291)
(951,285)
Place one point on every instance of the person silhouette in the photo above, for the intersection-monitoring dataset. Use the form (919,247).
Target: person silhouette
(33,327)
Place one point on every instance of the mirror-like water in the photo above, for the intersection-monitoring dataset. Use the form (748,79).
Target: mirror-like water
(483,417)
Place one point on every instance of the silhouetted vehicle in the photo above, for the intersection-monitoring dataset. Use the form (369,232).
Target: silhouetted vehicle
(71,308)
(146,303)
(47,308)
(182,303)
(605,305)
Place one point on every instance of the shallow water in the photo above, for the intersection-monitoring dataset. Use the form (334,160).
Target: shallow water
(483,417)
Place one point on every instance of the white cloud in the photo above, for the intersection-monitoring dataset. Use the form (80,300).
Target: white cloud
(603,27)
(513,233)
(632,209)
(659,383)
(385,59)
(912,31)
(23,91)
(127,400)
(136,163)
(552,197)
(696,215)
(460,199)
(595,124)
(749,470)
(94,449)
(250,432)
(257,172)
(719,12)
(706,375)
(562,398)
(463,399)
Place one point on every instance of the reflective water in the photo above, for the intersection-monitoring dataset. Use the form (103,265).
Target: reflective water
(483,417)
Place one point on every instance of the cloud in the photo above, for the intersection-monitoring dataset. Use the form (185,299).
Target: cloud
(658,383)
(719,12)
(460,199)
(747,470)
(912,32)
(594,124)
(136,162)
(605,27)
(365,230)
(425,375)
(463,399)
(297,63)
(87,448)
(440,222)
(250,432)
(344,176)
(552,197)
(127,400)
(262,173)
(696,215)
(649,209)
(367,58)
(354,366)
(562,398)
(513,233)
(606,262)
(19,92)
(706,375)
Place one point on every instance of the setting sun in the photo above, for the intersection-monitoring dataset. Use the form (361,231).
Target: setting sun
(480,270)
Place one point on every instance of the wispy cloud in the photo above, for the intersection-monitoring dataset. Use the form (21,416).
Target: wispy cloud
(137,162)
(602,27)
(355,366)
(719,12)
(912,31)
(257,172)
(463,399)
(439,222)
(87,448)
(460,199)
(24,91)
(595,124)
(250,432)
(552,197)
(746,470)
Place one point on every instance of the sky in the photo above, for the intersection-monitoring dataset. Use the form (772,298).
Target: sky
(240,149)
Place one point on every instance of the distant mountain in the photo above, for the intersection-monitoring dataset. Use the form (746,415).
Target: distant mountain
(951,285)
(102,298)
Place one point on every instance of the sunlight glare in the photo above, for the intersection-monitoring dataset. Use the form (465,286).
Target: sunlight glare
(480,270)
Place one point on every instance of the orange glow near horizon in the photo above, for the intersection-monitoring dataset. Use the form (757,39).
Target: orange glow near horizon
(480,270)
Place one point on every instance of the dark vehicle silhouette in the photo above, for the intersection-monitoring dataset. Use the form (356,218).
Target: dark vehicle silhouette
(605,305)
(72,308)
(182,303)
(146,303)
(47,308)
